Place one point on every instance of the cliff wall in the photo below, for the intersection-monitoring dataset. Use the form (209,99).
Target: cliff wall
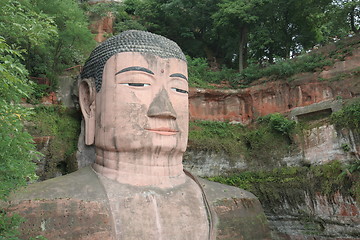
(301,211)
(264,97)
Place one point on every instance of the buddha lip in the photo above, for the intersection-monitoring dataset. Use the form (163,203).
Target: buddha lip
(163,130)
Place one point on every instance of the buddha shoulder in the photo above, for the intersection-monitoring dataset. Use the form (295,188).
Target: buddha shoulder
(239,214)
(82,185)
(73,206)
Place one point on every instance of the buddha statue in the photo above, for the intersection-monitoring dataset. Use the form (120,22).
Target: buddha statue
(134,99)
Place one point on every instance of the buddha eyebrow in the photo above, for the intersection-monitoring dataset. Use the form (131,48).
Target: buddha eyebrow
(135,68)
(178,75)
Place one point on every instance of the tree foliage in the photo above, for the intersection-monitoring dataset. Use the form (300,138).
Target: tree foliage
(54,33)
(234,31)
(17,148)
(342,18)
(74,40)
(21,25)
(238,17)
(186,22)
(348,117)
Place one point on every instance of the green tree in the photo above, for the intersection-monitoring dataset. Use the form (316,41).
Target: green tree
(54,33)
(288,29)
(74,42)
(17,148)
(237,18)
(263,34)
(350,9)
(186,22)
(21,25)
(343,17)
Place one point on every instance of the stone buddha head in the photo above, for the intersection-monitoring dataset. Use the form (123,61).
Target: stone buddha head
(134,98)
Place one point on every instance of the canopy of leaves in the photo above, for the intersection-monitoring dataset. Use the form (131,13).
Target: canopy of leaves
(54,33)
(213,29)
(17,148)
(348,117)
(20,24)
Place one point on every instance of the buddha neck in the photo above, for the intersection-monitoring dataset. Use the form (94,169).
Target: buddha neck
(141,168)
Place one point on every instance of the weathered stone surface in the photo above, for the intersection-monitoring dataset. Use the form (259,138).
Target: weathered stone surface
(64,219)
(244,105)
(73,206)
(324,143)
(240,215)
(176,213)
(342,67)
(78,206)
(65,92)
(329,106)
(321,145)
(320,217)
(85,154)
(209,163)
(102,26)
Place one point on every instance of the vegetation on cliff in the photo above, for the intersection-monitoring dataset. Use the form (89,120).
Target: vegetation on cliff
(54,34)
(217,35)
(348,116)
(261,143)
(301,191)
(234,32)
(62,127)
(17,148)
(237,41)
(291,184)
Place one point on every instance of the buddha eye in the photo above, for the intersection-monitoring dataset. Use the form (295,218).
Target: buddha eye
(180,90)
(136,84)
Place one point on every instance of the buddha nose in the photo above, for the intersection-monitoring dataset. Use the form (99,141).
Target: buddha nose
(161,106)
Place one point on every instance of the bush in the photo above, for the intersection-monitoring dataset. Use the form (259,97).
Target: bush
(290,183)
(201,76)
(16,145)
(283,68)
(40,91)
(63,125)
(198,72)
(278,123)
(262,144)
(216,136)
(348,117)
(9,226)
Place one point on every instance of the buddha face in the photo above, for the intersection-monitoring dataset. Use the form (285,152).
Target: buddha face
(142,104)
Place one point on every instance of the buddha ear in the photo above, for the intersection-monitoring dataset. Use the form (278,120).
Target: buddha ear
(87,94)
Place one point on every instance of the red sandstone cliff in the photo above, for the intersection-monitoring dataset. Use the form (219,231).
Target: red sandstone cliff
(342,80)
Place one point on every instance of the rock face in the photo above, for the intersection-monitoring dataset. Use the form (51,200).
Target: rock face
(318,145)
(331,218)
(323,144)
(85,155)
(208,164)
(236,209)
(247,104)
(78,206)
(67,91)
(340,81)
(102,26)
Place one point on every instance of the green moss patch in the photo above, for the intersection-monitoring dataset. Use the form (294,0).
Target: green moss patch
(62,125)
(261,144)
(288,184)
